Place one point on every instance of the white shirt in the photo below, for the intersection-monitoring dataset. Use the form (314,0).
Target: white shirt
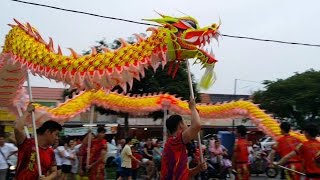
(65,159)
(6,149)
(57,151)
(113,142)
(75,163)
(125,156)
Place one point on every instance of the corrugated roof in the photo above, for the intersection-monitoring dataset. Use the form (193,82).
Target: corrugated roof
(205,98)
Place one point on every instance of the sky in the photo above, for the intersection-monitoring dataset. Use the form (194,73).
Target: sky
(250,62)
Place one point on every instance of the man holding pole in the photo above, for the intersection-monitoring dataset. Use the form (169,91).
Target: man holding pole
(309,152)
(27,161)
(284,146)
(98,150)
(174,164)
(240,158)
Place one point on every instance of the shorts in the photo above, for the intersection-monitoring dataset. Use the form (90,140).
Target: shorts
(66,168)
(58,167)
(126,172)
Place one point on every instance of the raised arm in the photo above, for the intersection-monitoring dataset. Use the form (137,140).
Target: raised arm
(273,153)
(19,125)
(192,131)
(286,158)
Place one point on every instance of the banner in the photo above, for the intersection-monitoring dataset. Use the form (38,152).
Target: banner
(80,131)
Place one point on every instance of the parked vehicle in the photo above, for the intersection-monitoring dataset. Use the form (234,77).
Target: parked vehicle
(266,143)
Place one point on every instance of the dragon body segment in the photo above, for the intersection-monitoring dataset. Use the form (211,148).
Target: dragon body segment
(141,105)
(176,40)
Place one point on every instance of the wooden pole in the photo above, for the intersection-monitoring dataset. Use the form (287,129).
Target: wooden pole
(165,117)
(192,96)
(34,128)
(90,134)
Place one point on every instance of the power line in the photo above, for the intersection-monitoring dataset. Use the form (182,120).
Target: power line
(270,40)
(149,24)
(86,13)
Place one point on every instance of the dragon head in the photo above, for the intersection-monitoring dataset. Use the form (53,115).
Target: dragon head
(187,41)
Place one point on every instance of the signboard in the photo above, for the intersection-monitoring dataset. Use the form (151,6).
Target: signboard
(6,116)
(80,131)
(10,129)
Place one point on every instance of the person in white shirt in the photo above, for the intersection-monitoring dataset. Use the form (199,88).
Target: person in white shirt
(113,141)
(67,160)
(6,150)
(126,157)
(72,151)
(58,153)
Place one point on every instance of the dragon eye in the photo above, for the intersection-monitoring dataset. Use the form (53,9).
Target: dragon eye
(190,23)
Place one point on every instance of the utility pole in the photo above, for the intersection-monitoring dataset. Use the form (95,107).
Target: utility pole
(235,96)
(235,87)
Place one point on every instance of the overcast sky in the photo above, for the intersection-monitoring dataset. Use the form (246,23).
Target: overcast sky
(286,20)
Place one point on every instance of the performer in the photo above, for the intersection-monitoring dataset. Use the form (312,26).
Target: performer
(284,146)
(27,161)
(98,151)
(309,152)
(241,155)
(174,164)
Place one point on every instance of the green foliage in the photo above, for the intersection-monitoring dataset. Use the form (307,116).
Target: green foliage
(296,98)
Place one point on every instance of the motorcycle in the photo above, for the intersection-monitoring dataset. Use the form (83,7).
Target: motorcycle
(214,171)
(261,165)
(11,172)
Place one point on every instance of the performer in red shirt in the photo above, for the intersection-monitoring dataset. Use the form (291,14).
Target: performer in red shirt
(98,151)
(174,164)
(308,151)
(241,154)
(27,167)
(284,146)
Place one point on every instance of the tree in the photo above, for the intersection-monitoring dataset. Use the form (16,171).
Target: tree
(296,98)
(153,82)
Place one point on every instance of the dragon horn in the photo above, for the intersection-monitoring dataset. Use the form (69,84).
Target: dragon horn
(59,50)
(139,37)
(39,37)
(74,53)
(20,24)
(105,49)
(123,42)
(163,20)
(159,13)
(50,45)
(30,31)
(12,25)
(93,51)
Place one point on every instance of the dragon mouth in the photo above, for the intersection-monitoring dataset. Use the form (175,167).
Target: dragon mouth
(201,39)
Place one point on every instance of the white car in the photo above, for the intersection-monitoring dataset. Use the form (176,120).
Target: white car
(111,154)
(267,143)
